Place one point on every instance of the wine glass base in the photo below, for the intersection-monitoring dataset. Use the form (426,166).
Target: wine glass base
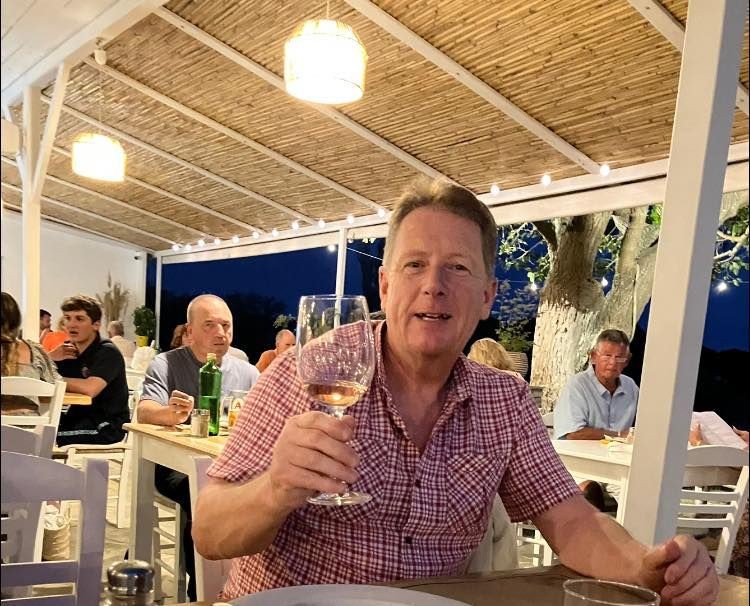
(334,500)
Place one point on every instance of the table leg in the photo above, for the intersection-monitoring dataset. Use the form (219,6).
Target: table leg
(141,503)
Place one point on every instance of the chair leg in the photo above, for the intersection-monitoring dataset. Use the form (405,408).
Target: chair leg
(179,558)
(121,520)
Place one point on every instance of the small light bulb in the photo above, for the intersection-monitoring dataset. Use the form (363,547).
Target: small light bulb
(217,241)
(321,223)
(721,286)
(201,242)
(295,225)
(533,287)
(175,247)
(256,235)
(275,232)
(350,219)
(331,248)
(605,282)
(604,169)
(235,239)
(188,247)
(546,179)
(381,212)
(495,189)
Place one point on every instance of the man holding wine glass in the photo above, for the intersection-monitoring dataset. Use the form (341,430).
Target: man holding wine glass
(430,442)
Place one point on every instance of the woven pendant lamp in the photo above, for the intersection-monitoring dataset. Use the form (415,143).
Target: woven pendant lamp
(324,62)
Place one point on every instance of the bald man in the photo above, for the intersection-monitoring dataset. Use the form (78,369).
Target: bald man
(284,340)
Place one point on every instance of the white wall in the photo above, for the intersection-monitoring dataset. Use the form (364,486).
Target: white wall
(73,262)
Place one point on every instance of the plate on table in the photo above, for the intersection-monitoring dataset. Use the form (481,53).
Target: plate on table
(343,595)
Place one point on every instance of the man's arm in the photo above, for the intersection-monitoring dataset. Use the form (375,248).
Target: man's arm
(594,545)
(592,433)
(176,411)
(233,519)
(91,387)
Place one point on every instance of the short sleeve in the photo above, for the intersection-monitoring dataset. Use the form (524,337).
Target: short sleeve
(44,364)
(155,383)
(107,364)
(535,479)
(276,396)
(570,411)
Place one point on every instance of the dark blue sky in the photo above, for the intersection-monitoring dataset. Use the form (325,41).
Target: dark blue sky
(287,276)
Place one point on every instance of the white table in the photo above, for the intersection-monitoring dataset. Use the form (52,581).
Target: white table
(173,448)
(592,460)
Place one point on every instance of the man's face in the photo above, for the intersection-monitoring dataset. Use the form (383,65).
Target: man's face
(609,360)
(435,288)
(79,326)
(210,330)
(286,341)
(45,322)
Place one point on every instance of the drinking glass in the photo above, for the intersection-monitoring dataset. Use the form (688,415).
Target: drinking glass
(335,361)
(592,592)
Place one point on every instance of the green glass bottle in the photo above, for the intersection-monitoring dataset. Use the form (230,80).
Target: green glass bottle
(210,393)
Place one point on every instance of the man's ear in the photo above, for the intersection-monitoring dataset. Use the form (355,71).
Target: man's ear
(383,286)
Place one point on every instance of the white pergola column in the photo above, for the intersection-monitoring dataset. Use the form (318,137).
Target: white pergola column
(31,214)
(341,261)
(700,141)
(157,302)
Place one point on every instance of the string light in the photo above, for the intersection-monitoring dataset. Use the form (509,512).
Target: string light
(295,225)
(604,169)
(721,286)
(235,239)
(217,241)
(256,235)
(331,248)
(495,189)
(188,247)
(175,247)
(350,219)
(381,212)
(533,287)
(275,232)
(546,179)
(321,223)
(605,282)
(201,242)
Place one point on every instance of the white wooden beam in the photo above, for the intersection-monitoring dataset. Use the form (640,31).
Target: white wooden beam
(157,301)
(702,126)
(114,201)
(669,27)
(270,77)
(341,261)
(402,33)
(165,193)
(11,137)
(54,220)
(117,18)
(87,213)
(31,215)
(185,164)
(232,134)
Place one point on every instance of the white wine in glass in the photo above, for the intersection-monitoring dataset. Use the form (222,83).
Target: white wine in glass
(335,361)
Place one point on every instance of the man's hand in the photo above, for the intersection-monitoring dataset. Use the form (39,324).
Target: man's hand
(682,572)
(65,351)
(180,404)
(309,453)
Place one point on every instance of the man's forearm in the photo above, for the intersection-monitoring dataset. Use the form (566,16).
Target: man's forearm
(91,387)
(233,520)
(591,433)
(152,412)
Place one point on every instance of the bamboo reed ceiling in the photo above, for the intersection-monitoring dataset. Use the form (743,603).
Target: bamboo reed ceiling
(595,73)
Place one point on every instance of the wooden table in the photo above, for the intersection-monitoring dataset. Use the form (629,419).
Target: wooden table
(530,587)
(592,460)
(76,399)
(173,448)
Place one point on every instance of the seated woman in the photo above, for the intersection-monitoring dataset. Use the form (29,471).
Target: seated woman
(490,353)
(21,358)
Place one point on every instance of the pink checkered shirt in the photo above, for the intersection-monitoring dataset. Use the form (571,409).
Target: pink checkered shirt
(429,511)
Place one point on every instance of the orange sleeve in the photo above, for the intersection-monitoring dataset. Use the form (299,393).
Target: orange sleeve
(53,339)
(265,360)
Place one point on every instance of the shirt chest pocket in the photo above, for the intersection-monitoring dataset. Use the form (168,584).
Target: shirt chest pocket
(470,484)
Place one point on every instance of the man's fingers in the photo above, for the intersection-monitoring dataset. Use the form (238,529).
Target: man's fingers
(317,440)
(689,551)
(703,593)
(322,464)
(662,555)
(340,429)
(696,572)
(309,480)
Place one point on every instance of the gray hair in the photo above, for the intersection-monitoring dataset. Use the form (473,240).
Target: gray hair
(281,333)
(612,335)
(116,327)
(199,299)
(445,195)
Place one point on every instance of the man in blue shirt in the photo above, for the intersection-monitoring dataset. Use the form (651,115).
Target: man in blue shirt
(600,400)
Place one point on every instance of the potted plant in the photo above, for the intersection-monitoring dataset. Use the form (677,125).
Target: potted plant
(144,321)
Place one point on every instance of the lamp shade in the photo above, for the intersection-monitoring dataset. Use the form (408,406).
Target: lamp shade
(324,62)
(98,157)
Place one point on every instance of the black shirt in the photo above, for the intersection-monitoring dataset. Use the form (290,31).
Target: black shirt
(100,359)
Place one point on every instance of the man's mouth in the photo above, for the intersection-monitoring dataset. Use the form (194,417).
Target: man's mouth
(433,317)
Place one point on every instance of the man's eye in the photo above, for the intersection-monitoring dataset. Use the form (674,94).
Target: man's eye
(413,264)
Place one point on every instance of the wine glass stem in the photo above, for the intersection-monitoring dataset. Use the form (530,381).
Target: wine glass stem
(336,411)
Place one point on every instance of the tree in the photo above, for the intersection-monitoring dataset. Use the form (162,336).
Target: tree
(571,255)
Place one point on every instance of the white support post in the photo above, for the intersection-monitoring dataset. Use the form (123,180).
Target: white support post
(157,301)
(700,140)
(341,261)
(31,215)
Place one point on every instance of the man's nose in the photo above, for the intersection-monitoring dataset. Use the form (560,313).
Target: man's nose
(434,281)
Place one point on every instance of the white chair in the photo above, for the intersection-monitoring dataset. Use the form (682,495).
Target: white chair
(27,480)
(725,507)
(50,396)
(38,441)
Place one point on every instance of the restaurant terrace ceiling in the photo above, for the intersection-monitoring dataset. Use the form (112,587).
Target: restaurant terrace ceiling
(216,148)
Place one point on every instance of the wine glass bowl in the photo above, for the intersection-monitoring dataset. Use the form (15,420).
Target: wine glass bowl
(335,360)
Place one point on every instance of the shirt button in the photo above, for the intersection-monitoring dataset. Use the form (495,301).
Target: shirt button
(408,540)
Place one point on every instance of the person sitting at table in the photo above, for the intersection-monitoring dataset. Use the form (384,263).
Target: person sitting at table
(20,358)
(116,332)
(171,388)
(285,339)
(55,337)
(491,353)
(94,367)
(45,323)
(436,437)
(179,336)
(600,401)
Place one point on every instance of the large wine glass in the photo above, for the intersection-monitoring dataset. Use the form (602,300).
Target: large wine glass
(335,361)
